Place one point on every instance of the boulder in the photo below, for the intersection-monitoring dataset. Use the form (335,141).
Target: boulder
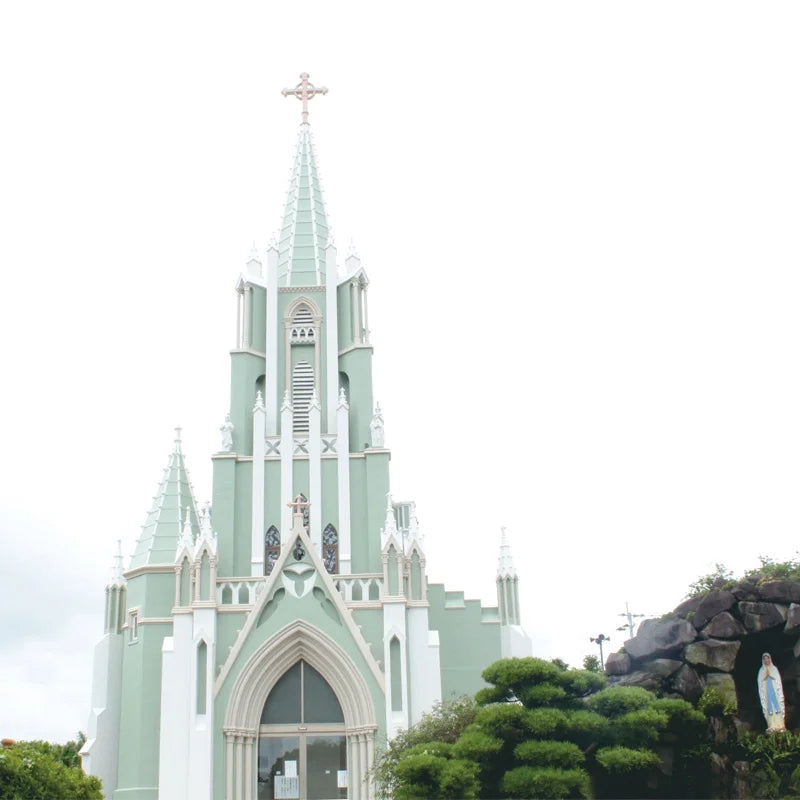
(711,605)
(713,653)
(657,637)
(780,591)
(793,617)
(687,684)
(618,664)
(725,626)
(663,667)
(645,680)
(687,607)
(746,591)
(762,616)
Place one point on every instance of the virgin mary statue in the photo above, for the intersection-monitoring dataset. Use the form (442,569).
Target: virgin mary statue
(770,690)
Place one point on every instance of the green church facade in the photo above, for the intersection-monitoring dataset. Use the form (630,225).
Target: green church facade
(266,645)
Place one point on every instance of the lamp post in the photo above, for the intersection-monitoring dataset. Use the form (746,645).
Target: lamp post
(630,617)
(600,638)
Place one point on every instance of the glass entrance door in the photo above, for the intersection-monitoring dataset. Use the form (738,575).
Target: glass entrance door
(302,748)
(311,766)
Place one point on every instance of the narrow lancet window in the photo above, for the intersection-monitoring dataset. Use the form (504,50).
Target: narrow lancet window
(302,390)
(272,548)
(330,549)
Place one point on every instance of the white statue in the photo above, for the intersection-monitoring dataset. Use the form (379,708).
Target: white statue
(376,428)
(770,690)
(227,435)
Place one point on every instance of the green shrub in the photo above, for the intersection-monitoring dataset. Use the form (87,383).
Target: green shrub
(637,728)
(714,703)
(583,682)
(506,721)
(549,754)
(546,782)
(476,745)
(459,779)
(418,776)
(618,700)
(440,749)
(625,760)
(546,723)
(542,695)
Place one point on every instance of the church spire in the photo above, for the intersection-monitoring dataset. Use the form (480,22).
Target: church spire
(304,231)
(505,563)
(173,511)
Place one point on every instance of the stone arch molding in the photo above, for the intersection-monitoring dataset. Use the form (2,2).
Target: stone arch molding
(274,657)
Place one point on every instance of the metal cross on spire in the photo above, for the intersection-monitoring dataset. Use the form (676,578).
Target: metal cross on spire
(298,505)
(304,91)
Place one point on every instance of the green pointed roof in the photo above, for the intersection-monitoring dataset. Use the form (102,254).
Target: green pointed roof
(158,541)
(304,232)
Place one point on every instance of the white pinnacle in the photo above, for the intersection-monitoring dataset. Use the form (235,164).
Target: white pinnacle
(505,563)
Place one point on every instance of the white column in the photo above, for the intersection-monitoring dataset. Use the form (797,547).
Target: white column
(315,472)
(354,310)
(287,448)
(370,788)
(366,314)
(248,300)
(355,769)
(257,517)
(248,768)
(238,319)
(331,339)
(362,757)
(229,767)
(343,481)
(272,336)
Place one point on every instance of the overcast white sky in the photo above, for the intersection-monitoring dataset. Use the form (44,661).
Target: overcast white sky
(580,222)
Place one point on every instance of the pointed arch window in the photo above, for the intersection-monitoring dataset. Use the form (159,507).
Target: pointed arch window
(272,548)
(330,549)
(302,330)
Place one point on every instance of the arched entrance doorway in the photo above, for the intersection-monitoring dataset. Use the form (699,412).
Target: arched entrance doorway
(318,679)
(302,747)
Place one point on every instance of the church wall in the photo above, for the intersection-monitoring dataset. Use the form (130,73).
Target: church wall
(140,713)
(243,510)
(376,490)
(330,496)
(357,365)
(358,517)
(228,626)
(467,644)
(370,620)
(300,477)
(272,495)
(258,317)
(345,315)
(246,368)
(223,500)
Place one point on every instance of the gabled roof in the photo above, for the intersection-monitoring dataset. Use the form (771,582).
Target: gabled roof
(304,231)
(174,499)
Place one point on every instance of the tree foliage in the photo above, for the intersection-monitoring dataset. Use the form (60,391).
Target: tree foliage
(45,770)
(540,729)
(768,570)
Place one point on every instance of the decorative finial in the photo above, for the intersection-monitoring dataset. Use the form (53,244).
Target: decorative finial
(273,243)
(390,525)
(304,91)
(287,402)
(259,401)
(254,253)
(343,398)
(177,440)
(116,569)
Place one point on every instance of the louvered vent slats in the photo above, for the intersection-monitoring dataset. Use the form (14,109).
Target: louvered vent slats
(302,390)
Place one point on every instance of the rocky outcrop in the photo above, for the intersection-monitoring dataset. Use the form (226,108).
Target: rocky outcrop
(696,646)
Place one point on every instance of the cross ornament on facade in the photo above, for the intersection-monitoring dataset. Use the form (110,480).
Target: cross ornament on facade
(304,91)
(298,504)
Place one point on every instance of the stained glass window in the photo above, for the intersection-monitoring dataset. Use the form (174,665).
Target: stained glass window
(330,549)
(272,548)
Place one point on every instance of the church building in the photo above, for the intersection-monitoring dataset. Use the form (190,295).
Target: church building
(266,645)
